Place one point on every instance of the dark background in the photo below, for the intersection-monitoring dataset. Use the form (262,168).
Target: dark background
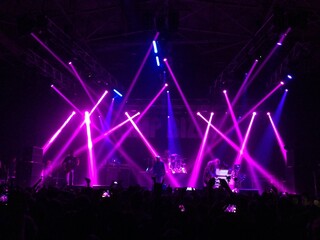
(210,46)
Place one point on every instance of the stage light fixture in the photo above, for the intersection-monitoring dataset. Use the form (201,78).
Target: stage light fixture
(118,93)
(283,36)
(155,49)
(158,61)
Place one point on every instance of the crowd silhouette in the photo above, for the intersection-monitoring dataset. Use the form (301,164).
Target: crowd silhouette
(114,212)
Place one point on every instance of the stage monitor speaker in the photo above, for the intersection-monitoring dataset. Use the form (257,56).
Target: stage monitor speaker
(35,166)
(36,170)
(28,173)
(120,174)
(34,154)
(249,192)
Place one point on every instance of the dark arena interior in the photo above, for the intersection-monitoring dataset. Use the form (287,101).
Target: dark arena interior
(119,82)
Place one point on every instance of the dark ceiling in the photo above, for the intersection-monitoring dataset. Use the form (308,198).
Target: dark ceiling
(210,45)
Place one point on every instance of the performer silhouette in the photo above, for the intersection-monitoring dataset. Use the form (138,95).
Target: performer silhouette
(210,172)
(158,173)
(69,164)
(158,170)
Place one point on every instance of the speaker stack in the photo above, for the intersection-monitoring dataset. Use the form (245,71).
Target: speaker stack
(30,168)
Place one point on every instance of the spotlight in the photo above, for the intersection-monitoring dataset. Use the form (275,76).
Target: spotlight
(155,49)
(283,36)
(119,94)
(158,61)
(289,76)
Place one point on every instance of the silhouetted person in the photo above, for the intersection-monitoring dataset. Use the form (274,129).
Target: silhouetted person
(158,173)
(69,165)
(158,170)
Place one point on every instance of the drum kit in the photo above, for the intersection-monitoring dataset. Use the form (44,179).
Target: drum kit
(176,164)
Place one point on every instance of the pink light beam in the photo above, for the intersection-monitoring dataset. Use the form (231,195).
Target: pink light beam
(197,165)
(123,137)
(244,143)
(183,98)
(107,133)
(235,123)
(51,52)
(279,139)
(48,144)
(272,179)
(96,105)
(137,74)
(268,56)
(252,110)
(150,148)
(65,98)
(244,82)
(91,162)
(81,82)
